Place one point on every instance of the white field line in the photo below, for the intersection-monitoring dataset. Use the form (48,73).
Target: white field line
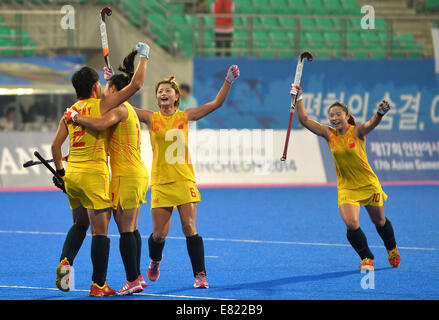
(231,240)
(140,294)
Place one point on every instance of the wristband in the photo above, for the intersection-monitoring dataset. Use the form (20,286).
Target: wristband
(61,172)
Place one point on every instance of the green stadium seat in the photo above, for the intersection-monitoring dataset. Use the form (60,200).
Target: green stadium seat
(307,23)
(4,50)
(431,5)
(353,23)
(368,36)
(270,22)
(29,51)
(240,38)
(299,7)
(333,7)
(313,37)
(263,7)
(316,7)
(281,7)
(286,22)
(382,36)
(380,24)
(278,39)
(350,7)
(239,22)
(324,23)
(245,6)
(333,39)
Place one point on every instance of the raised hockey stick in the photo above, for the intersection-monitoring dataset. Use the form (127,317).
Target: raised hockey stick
(103,28)
(297,78)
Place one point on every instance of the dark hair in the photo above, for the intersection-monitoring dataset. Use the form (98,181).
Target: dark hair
(174,85)
(120,80)
(351,119)
(83,81)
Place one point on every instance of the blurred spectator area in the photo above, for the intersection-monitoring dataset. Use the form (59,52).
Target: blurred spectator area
(30,111)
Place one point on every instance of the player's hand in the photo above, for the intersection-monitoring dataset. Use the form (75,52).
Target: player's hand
(232,73)
(70,114)
(142,50)
(59,183)
(108,73)
(383,108)
(297,91)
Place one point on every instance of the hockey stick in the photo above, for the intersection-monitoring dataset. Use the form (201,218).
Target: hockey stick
(297,78)
(31,163)
(103,27)
(48,166)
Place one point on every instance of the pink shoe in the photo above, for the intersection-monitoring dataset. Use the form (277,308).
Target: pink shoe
(154,270)
(142,281)
(200,281)
(130,288)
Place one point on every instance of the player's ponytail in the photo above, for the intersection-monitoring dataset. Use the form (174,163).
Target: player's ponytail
(351,120)
(120,81)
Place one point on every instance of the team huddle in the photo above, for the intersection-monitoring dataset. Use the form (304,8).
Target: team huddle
(109,128)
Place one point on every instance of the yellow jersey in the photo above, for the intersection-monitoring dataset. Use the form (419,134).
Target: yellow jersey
(88,148)
(169,140)
(124,148)
(350,159)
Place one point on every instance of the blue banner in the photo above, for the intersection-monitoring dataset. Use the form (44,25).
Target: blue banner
(260,98)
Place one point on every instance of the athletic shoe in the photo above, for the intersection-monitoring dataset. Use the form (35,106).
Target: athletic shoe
(154,270)
(200,281)
(394,257)
(130,288)
(62,271)
(141,281)
(104,291)
(367,264)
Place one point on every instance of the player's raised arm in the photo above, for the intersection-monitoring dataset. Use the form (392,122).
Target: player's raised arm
(202,111)
(313,126)
(136,83)
(363,129)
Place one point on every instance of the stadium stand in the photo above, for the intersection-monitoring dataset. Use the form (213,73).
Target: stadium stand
(263,28)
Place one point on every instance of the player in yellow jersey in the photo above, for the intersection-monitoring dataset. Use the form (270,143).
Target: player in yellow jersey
(129,176)
(357,184)
(86,179)
(173,183)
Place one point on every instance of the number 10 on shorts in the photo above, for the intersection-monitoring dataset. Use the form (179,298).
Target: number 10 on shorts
(376,197)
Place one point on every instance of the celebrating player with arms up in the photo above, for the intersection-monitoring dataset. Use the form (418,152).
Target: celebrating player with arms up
(357,184)
(172,173)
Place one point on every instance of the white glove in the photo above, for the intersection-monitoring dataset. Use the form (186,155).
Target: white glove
(70,114)
(108,73)
(142,50)
(232,73)
(297,91)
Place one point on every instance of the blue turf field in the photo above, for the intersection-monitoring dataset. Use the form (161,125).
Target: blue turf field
(260,243)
